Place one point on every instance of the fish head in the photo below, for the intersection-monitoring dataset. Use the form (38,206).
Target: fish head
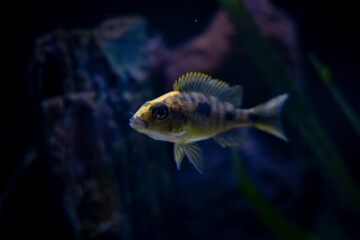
(159,119)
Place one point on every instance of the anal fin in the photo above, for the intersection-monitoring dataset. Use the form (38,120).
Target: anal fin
(229,138)
(178,155)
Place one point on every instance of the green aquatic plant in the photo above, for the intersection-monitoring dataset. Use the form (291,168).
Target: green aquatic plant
(326,77)
(277,224)
(299,110)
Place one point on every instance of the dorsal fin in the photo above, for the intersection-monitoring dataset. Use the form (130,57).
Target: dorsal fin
(202,83)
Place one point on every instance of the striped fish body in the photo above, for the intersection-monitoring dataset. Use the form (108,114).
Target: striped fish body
(202,116)
(200,108)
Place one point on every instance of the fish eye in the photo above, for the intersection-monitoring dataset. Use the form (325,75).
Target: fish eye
(160,111)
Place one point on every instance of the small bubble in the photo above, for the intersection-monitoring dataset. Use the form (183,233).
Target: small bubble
(196,20)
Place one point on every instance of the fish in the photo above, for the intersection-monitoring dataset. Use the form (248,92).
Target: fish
(201,107)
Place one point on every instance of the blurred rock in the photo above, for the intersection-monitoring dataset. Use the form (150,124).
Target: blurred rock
(281,31)
(107,182)
(204,53)
(123,41)
(219,44)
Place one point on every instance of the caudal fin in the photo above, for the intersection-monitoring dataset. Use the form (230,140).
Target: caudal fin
(266,116)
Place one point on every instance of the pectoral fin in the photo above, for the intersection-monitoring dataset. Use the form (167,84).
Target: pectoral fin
(193,153)
(178,155)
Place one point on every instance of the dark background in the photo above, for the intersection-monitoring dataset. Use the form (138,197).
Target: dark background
(328,29)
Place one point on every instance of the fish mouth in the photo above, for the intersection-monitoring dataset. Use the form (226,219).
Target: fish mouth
(137,123)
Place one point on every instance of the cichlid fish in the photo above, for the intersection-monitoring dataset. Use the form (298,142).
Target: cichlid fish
(200,108)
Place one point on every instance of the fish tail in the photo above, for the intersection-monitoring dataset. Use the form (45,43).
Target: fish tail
(266,116)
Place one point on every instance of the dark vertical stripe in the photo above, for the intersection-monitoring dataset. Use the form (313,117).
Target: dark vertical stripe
(221,113)
(229,116)
(204,109)
(185,97)
(214,113)
(218,114)
(192,97)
